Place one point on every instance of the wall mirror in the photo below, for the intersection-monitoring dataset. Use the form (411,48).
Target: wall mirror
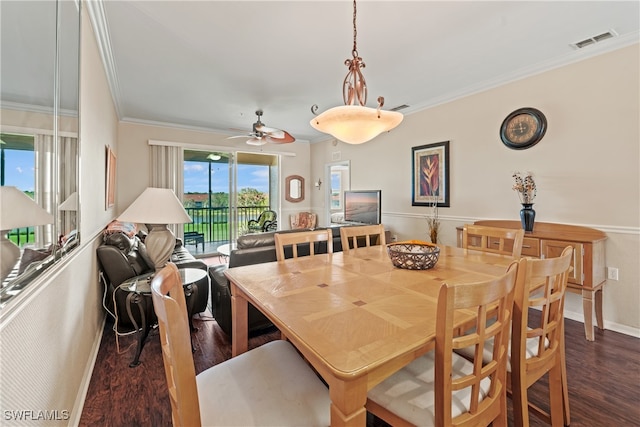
(338,175)
(39,148)
(294,186)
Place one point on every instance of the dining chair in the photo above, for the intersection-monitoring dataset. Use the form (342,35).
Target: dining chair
(349,236)
(306,238)
(505,241)
(269,385)
(442,388)
(537,343)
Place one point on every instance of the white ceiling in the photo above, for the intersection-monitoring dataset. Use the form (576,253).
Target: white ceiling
(212,64)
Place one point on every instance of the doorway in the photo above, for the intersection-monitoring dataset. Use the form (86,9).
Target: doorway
(338,175)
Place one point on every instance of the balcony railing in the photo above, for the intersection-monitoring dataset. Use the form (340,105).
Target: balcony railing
(213,222)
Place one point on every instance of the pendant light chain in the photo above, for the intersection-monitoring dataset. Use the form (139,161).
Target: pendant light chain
(354,52)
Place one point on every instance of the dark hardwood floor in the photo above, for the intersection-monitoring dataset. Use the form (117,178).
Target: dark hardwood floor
(604,378)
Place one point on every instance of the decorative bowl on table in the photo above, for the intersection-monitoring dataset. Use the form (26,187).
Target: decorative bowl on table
(413,254)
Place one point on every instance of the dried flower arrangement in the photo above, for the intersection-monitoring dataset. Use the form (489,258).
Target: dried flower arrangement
(525,186)
(433,222)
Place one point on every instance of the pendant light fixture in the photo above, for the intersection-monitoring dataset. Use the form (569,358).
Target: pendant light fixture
(355,123)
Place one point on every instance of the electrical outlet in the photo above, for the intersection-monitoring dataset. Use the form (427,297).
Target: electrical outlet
(612,273)
(394,238)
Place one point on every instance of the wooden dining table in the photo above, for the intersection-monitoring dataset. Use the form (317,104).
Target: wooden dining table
(354,316)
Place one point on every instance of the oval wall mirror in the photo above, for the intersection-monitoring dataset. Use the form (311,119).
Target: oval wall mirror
(294,186)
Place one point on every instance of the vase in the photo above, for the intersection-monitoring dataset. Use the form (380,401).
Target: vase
(434,235)
(527,216)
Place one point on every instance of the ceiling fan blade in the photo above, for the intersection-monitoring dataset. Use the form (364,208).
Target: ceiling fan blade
(286,139)
(276,134)
(257,141)
(262,128)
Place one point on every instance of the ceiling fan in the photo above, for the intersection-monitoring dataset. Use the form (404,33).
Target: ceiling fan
(262,134)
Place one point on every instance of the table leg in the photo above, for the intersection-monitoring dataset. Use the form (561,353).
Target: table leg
(240,322)
(348,401)
(598,306)
(587,308)
(191,295)
(143,330)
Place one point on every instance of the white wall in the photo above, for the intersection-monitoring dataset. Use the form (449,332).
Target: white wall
(586,166)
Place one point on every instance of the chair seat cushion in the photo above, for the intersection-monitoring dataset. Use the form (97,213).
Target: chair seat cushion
(409,393)
(268,386)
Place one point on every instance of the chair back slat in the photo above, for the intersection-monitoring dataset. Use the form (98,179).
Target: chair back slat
(304,237)
(505,241)
(349,235)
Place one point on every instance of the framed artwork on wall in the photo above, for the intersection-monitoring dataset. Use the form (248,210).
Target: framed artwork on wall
(110,187)
(430,170)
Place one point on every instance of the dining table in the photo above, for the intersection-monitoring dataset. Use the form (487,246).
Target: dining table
(354,316)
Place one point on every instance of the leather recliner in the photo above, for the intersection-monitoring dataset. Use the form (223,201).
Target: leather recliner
(121,257)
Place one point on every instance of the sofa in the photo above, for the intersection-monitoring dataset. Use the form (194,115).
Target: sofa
(253,248)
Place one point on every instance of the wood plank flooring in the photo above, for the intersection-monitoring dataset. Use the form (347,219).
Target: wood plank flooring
(604,378)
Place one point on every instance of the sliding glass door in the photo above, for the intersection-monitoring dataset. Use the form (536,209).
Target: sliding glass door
(223,191)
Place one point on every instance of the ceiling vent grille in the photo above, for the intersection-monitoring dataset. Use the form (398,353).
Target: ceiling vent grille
(400,107)
(594,39)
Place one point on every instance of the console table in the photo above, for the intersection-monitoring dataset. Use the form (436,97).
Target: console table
(588,276)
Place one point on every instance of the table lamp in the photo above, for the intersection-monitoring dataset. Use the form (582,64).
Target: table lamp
(17,210)
(157,207)
(71,203)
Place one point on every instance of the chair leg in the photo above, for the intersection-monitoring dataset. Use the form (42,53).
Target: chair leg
(556,401)
(565,387)
(520,401)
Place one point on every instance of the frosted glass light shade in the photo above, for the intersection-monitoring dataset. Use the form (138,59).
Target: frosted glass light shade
(355,124)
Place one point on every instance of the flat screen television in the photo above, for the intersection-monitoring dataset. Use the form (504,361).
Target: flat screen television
(363,206)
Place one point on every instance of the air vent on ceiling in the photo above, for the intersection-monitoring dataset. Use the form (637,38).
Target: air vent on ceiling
(594,39)
(400,107)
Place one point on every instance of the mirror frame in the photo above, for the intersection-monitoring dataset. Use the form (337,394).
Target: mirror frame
(287,184)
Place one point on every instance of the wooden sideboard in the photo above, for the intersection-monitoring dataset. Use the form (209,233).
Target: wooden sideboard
(588,276)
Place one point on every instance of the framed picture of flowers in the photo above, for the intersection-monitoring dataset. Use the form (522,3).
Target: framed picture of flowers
(430,169)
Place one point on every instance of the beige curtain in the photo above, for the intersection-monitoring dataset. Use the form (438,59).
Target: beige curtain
(44,191)
(68,180)
(166,172)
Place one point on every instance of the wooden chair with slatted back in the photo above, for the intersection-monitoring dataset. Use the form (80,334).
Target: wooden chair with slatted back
(442,388)
(349,235)
(497,240)
(307,238)
(273,374)
(537,347)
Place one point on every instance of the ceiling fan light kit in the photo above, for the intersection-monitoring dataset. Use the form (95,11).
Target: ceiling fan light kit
(351,123)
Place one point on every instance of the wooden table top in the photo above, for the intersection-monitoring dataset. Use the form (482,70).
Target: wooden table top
(351,313)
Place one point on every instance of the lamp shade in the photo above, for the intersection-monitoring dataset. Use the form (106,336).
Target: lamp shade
(19,210)
(71,203)
(156,206)
(355,124)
